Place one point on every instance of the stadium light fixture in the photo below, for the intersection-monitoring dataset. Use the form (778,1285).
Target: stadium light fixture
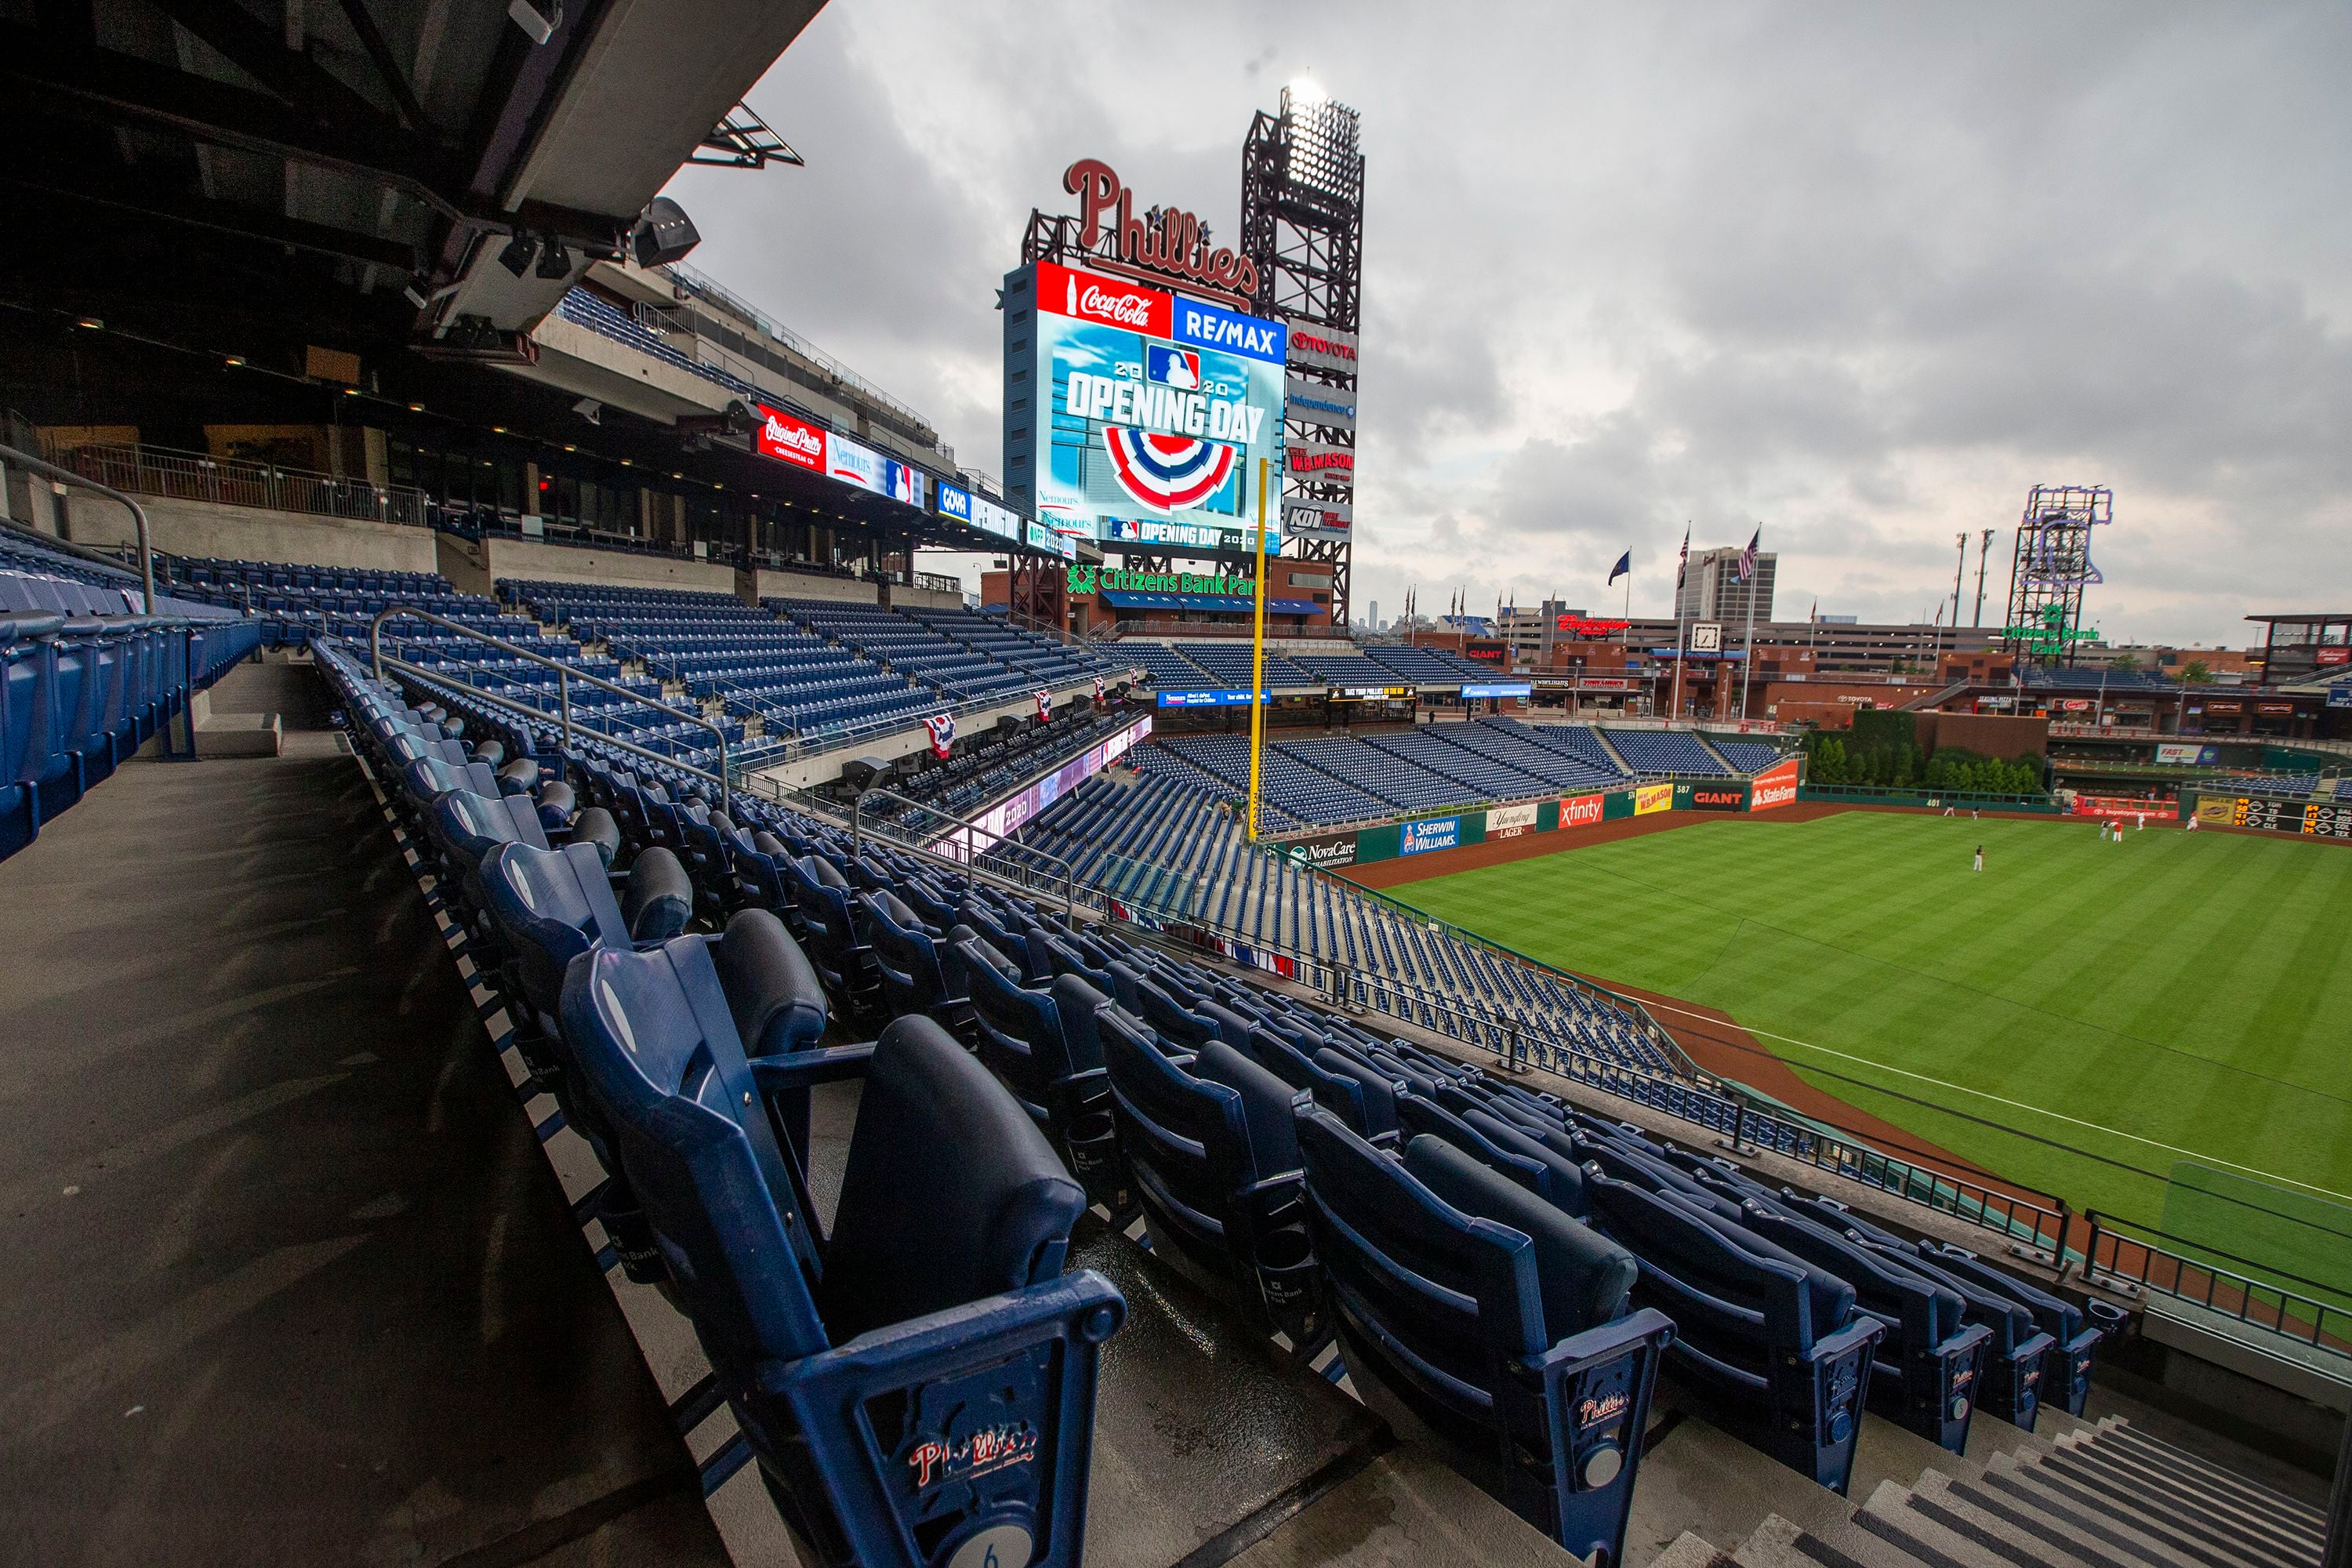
(519,254)
(1305,93)
(554,260)
(90,324)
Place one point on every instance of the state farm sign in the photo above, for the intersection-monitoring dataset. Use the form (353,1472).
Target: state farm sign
(790,440)
(1775,786)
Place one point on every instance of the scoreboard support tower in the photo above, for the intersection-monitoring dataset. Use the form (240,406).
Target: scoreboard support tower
(2051,567)
(1303,224)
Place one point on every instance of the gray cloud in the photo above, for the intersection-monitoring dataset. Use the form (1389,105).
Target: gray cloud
(1863,275)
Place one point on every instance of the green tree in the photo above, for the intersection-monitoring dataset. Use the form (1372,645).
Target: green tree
(2194,673)
(2124,663)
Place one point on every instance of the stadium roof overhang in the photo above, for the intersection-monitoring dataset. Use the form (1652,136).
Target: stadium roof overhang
(334,165)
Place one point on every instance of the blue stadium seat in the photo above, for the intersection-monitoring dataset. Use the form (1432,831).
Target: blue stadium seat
(1777,1339)
(1474,1311)
(920,1382)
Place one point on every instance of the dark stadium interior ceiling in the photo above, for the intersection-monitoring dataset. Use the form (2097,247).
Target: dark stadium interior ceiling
(315,167)
(201,190)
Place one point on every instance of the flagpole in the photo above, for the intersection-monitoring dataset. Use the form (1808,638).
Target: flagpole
(1257,656)
(1676,712)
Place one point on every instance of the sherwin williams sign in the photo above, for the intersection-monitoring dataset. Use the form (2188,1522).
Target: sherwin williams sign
(1421,837)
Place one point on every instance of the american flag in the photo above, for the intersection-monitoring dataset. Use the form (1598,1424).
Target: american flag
(1747,557)
(942,728)
(1683,564)
(1044,704)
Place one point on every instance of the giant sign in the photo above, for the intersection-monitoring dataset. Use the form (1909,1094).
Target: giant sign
(1155,407)
(1512,821)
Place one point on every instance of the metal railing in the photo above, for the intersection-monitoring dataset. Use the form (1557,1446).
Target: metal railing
(1073,894)
(231,481)
(50,470)
(2112,1256)
(1705,1102)
(947,836)
(564,675)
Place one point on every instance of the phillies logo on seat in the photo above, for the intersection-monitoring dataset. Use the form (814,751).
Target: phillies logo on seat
(1594,1411)
(992,1448)
(1044,704)
(943,731)
(1100,690)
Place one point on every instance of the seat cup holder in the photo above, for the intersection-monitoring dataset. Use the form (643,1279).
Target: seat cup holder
(1287,1277)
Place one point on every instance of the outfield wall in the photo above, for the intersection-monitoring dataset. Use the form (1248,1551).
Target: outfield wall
(1776,787)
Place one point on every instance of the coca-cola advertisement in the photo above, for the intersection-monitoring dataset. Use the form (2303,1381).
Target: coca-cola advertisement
(1130,405)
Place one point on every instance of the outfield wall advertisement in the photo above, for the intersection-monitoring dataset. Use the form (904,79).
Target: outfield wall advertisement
(1775,787)
(1149,408)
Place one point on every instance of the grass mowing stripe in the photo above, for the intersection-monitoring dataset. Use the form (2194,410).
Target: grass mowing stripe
(2169,994)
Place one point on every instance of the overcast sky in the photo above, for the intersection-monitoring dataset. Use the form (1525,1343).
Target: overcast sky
(1860,274)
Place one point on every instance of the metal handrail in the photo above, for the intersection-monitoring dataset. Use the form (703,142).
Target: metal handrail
(431,676)
(1076,895)
(47,469)
(2287,1313)
(970,831)
(564,675)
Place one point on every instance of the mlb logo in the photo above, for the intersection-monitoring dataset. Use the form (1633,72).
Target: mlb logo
(1179,368)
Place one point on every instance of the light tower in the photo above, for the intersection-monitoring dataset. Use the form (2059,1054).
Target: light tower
(1303,224)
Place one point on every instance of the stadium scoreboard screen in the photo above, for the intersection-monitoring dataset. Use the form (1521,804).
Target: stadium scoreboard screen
(2268,814)
(1138,415)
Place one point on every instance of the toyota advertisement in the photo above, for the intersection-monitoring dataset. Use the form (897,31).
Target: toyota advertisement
(1128,407)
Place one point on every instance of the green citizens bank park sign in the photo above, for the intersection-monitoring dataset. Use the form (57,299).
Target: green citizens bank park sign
(1084,579)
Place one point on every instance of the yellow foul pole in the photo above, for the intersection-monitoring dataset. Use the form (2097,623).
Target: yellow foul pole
(1257,656)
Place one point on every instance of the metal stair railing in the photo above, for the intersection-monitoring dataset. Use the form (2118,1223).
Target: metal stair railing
(564,675)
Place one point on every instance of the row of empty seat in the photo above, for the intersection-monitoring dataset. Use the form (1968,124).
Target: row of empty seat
(1164,846)
(87,680)
(1506,1271)
(1213,665)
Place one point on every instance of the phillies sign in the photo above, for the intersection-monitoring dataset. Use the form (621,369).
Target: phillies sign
(790,440)
(1171,241)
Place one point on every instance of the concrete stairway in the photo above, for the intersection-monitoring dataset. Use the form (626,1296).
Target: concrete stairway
(2093,1496)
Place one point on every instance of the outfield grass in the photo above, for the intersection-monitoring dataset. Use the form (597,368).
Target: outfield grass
(2180,997)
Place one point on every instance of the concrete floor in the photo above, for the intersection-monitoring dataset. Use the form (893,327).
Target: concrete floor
(288,1278)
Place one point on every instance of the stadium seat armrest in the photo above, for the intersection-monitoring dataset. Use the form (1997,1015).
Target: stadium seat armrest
(1595,1389)
(1864,1330)
(799,1069)
(1036,1352)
